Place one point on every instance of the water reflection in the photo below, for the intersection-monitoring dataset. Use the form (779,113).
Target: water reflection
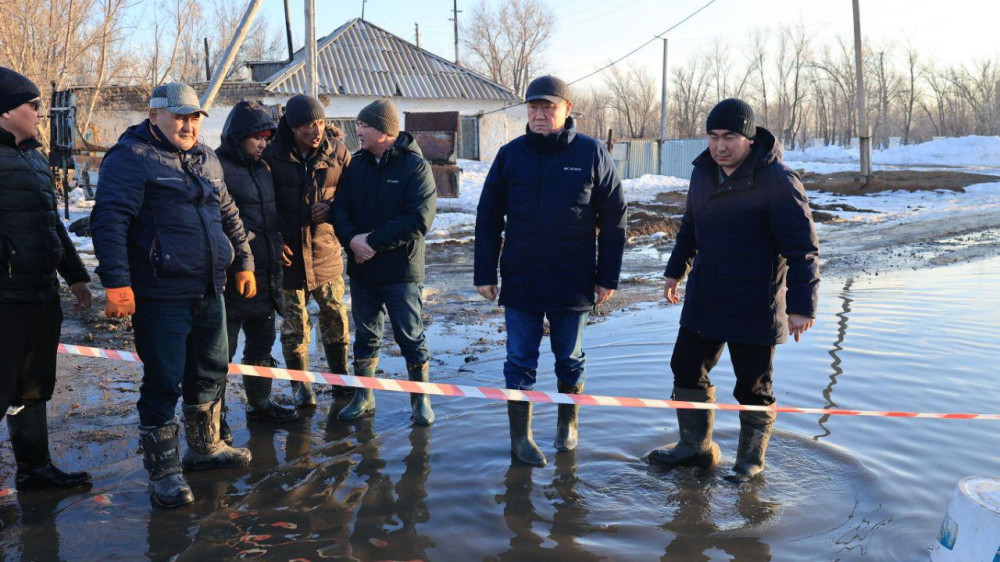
(838,346)
(696,522)
(568,520)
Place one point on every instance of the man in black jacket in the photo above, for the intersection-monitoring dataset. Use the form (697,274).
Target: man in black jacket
(306,165)
(34,246)
(554,203)
(248,178)
(165,231)
(748,244)
(381,213)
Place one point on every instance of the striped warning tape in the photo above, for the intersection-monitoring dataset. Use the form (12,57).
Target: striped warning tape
(502,394)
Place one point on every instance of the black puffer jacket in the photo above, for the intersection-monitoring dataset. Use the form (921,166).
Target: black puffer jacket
(250,185)
(746,242)
(394,199)
(33,241)
(299,181)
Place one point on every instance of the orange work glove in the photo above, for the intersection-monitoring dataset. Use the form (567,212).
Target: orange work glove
(246,284)
(121,302)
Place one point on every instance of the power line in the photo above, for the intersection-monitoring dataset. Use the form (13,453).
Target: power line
(637,49)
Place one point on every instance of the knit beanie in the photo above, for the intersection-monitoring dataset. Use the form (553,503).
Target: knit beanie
(302,109)
(15,89)
(733,115)
(381,114)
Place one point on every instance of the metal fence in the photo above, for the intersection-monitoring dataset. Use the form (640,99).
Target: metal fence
(677,155)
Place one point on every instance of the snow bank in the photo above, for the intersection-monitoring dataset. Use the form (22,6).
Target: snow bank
(961,151)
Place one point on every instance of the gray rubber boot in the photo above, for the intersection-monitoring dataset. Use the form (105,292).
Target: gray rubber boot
(225,433)
(569,419)
(522,441)
(29,438)
(755,434)
(336,358)
(695,447)
(260,407)
(302,391)
(420,404)
(206,450)
(363,403)
(161,458)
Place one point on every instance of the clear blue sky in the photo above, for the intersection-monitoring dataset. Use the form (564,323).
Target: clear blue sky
(591,33)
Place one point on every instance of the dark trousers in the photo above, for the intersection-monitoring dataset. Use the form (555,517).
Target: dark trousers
(524,336)
(259,335)
(403,302)
(185,352)
(694,357)
(29,338)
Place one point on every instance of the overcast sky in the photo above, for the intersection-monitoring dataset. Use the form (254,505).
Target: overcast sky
(591,33)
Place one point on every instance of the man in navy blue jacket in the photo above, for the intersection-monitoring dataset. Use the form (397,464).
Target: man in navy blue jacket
(165,230)
(554,204)
(748,246)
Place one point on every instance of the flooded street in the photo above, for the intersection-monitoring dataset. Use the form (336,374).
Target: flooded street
(836,488)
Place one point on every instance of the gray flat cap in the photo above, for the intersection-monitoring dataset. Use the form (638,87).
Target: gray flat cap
(177,98)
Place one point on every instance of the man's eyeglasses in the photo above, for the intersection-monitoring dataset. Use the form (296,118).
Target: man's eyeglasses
(35,104)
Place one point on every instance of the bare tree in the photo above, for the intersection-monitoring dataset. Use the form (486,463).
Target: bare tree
(593,106)
(911,93)
(507,40)
(634,104)
(688,99)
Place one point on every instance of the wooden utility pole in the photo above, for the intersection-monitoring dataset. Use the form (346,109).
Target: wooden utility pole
(416,27)
(663,97)
(312,87)
(288,31)
(455,12)
(864,132)
(208,63)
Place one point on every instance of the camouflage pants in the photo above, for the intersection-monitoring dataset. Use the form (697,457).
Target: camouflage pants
(296,327)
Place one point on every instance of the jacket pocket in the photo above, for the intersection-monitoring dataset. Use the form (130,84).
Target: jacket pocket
(746,288)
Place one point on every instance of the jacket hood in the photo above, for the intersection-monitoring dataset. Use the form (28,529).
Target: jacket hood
(247,118)
(404,143)
(766,151)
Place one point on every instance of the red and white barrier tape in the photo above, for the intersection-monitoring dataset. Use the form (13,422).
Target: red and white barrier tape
(502,394)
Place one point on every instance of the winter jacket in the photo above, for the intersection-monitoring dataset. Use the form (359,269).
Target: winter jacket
(562,203)
(394,199)
(749,247)
(164,223)
(300,181)
(33,241)
(249,183)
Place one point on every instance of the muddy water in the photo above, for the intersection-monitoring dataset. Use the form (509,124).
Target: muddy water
(836,488)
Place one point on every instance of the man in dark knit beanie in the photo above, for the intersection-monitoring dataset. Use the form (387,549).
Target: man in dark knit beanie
(303,109)
(381,213)
(748,244)
(30,313)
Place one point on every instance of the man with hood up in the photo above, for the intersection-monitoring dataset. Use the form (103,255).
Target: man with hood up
(382,211)
(748,246)
(306,165)
(247,131)
(165,232)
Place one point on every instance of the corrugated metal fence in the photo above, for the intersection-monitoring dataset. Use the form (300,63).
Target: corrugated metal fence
(637,157)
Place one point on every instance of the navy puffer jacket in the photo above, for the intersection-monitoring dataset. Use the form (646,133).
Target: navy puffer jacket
(749,247)
(164,223)
(33,241)
(562,204)
(250,185)
(395,200)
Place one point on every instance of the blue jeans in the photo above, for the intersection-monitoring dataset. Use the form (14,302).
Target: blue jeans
(403,302)
(524,336)
(185,352)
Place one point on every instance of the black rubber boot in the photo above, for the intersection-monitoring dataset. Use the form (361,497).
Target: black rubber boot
(420,404)
(363,403)
(522,441)
(206,450)
(569,419)
(695,447)
(29,438)
(225,433)
(336,358)
(161,458)
(755,434)
(260,407)
(302,391)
